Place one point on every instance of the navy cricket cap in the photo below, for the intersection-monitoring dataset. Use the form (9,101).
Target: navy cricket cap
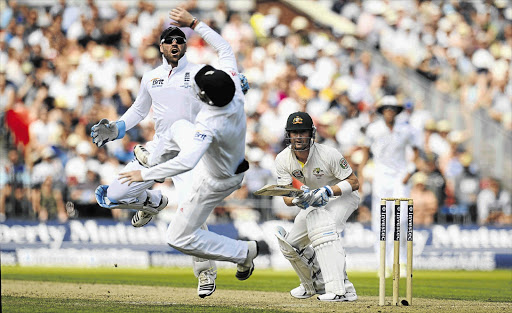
(299,121)
(217,85)
(172,31)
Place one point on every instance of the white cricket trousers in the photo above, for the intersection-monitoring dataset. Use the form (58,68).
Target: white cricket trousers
(389,185)
(178,135)
(185,233)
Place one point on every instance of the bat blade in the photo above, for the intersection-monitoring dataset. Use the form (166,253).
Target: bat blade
(279,190)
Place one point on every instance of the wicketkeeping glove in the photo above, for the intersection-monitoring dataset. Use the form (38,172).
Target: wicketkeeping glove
(321,196)
(106,131)
(304,199)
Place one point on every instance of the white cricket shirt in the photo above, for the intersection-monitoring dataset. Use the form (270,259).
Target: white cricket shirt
(388,147)
(324,166)
(168,91)
(219,137)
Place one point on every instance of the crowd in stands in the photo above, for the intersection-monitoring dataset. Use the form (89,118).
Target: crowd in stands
(64,67)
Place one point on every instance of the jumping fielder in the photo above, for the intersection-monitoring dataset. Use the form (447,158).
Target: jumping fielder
(217,147)
(388,142)
(313,245)
(168,90)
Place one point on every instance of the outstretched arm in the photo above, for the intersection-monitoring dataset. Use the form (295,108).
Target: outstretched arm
(183,18)
(185,161)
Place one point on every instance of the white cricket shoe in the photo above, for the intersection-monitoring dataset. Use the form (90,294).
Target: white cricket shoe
(331,297)
(141,218)
(301,292)
(206,285)
(244,270)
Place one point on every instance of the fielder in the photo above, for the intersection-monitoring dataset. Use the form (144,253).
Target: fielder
(168,90)
(388,141)
(217,148)
(313,245)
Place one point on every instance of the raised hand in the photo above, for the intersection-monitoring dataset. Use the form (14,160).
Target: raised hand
(181,17)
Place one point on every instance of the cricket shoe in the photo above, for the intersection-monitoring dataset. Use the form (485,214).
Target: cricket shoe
(206,285)
(300,292)
(141,218)
(332,297)
(244,270)
(141,155)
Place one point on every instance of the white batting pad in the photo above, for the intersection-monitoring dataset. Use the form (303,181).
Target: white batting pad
(300,265)
(329,251)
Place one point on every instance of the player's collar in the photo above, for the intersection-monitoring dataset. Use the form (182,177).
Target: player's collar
(182,63)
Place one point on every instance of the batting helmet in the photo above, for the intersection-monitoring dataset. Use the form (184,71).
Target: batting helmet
(215,86)
(300,121)
(389,102)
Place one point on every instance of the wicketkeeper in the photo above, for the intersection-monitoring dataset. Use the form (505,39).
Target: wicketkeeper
(313,244)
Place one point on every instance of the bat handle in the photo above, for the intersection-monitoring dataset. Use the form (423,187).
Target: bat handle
(296,183)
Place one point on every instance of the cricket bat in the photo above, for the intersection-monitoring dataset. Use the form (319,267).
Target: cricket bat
(281,190)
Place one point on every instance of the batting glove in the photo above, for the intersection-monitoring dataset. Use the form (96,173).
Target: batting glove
(304,199)
(321,196)
(106,131)
(244,83)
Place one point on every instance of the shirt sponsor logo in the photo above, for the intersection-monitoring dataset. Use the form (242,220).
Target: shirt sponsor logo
(297,174)
(200,136)
(343,163)
(318,172)
(157,82)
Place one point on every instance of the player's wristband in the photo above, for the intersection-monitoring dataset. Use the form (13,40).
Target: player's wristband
(345,187)
(193,24)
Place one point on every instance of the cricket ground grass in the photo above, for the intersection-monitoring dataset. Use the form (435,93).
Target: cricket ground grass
(115,289)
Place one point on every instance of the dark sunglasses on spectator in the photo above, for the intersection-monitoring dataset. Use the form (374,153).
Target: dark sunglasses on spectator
(170,39)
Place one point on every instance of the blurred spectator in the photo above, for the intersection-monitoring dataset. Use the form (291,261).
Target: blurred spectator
(494,204)
(124,153)
(438,142)
(76,168)
(435,179)
(255,178)
(65,66)
(467,186)
(7,94)
(14,183)
(47,188)
(83,196)
(425,202)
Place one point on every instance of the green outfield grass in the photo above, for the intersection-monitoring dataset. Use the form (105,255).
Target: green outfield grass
(493,286)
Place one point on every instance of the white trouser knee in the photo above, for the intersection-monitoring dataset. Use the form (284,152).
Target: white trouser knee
(327,244)
(136,192)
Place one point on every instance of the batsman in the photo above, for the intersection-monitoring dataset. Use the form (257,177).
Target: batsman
(313,245)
